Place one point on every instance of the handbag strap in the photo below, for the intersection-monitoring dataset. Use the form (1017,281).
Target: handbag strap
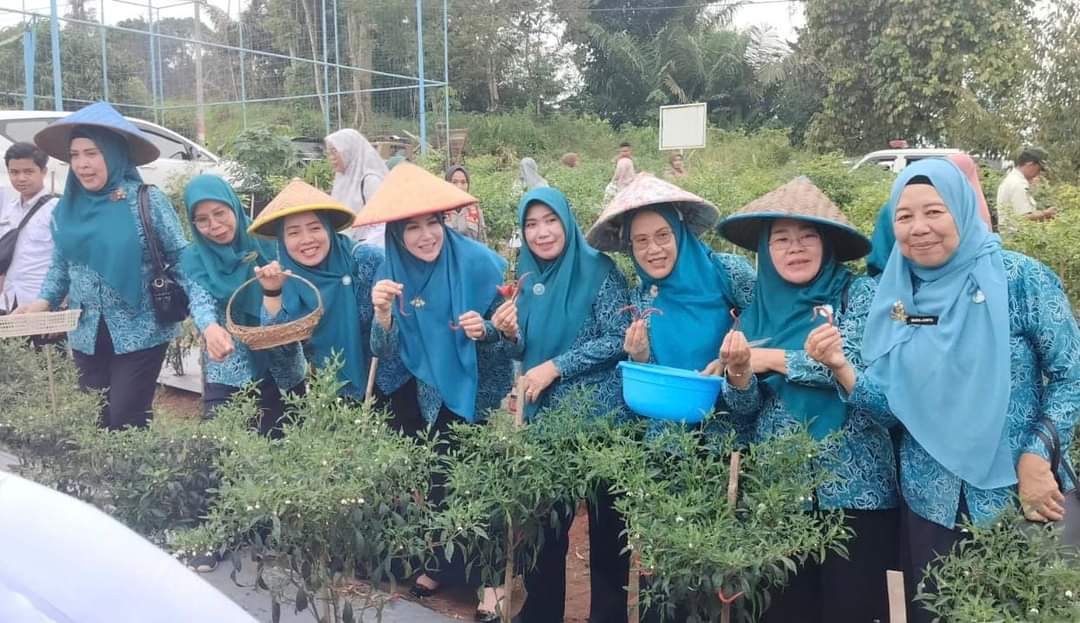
(156,258)
(1047,432)
(42,200)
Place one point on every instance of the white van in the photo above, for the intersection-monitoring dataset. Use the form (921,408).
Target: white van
(179,156)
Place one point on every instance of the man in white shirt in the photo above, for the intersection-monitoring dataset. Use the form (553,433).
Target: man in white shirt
(1014,197)
(26,166)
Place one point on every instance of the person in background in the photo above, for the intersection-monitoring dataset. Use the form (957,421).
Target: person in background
(625,151)
(101,262)
(973,351)
(358,172)
(1014,194)
(802,241)
(529,177)
(570,160)
(27,214)
(676,167)
(624,174)
(469,220)
(568,327)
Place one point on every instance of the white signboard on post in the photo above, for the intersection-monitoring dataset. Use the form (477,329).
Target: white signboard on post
(683,126)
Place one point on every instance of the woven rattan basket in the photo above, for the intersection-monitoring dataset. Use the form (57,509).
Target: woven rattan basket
(39,323)
(271,336)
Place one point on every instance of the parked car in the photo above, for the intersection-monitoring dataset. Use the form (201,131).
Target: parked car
(179,156)
(896,159)
(308,149)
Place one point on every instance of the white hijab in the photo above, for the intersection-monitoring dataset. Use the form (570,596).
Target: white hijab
(364,173)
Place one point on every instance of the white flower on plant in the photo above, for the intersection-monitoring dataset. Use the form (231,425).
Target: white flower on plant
(679,519)
(250,508)
(1068,594)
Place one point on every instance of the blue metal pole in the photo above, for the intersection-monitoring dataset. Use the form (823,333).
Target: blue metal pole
(104,56)
(243,87)
(54,36)
(326,73)
(337,63)
(29,52)
(153,65)
(420,75)
(160,68)
(446,72)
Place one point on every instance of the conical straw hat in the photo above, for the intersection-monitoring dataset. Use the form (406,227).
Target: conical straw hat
(643,191)
(799,199)
(409,191)
(55,138)
(297,197)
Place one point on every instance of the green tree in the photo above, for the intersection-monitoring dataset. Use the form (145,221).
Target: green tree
(1058,86)
(923,70)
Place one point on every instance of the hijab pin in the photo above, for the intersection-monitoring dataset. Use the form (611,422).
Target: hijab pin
(250,257)
(119,194)
(346,280)
(539,289)
(654,290)
(417,302)
(979,297)
(898,313)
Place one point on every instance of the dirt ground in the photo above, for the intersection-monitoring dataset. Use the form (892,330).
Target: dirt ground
(458,604)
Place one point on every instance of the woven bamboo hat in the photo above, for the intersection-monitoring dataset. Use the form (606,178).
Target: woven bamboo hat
(798,199)
(297,197)
(55,138)
(643,191)
(409,191)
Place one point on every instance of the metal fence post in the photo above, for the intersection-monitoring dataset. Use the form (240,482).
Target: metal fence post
(54,35)
(420,75)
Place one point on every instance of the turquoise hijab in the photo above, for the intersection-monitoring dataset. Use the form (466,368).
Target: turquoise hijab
(559,294)
(948,383)
(696,294)
(222,268)
(784,312)
(94,229)
(465,277)
(339,330)
(881,242)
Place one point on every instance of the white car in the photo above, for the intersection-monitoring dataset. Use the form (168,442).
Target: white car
(896,159)
(179,156)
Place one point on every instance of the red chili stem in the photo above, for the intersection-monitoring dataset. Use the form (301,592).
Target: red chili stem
(728,600)
(649,311)
(736,320)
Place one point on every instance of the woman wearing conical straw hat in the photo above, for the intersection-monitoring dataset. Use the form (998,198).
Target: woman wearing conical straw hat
(433,298)
(306,223)
(974,353)
(102,263)
(802,241)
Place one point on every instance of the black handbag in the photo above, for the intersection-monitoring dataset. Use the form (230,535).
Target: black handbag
(10,239)
(1070,525)
(169,299)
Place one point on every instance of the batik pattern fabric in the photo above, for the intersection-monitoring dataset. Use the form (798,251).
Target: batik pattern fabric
(1045,362)
(287,363)
(132,327)
(860,456)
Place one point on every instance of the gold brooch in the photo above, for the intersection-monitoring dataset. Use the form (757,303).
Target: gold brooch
(898,313)
(654,291)
(417,302)
(118,195)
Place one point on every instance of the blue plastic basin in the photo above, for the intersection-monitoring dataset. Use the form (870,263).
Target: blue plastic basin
(664,393)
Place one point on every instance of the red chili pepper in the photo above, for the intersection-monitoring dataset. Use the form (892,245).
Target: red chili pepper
(401,305)
(512,289)
(453,327)
(727,601)
(642,314)
(825,311)
(736,319)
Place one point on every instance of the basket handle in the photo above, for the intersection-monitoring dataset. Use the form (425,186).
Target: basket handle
(228,306)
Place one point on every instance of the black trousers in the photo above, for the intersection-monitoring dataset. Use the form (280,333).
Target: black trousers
(609,567)
(128,380)
(922,541)
(839,590)
(447,572)
(272,408)
(404,407)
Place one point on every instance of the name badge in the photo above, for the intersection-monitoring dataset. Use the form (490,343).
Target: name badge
(919,321)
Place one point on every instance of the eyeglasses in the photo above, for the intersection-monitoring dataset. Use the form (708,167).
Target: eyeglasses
(217,216)
(662,238)
(785,243)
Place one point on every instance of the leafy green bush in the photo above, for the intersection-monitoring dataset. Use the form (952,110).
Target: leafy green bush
(259,154)
(1008,573)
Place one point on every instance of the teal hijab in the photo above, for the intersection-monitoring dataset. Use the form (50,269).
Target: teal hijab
(881,242)
(696,294)
(94,229)
(948,383)
(558,294)
(222,268)
(784,312)
(465,277)
(339,330)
